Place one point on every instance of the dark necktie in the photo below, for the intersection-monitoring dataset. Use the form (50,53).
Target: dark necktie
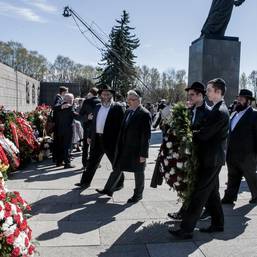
(130,114)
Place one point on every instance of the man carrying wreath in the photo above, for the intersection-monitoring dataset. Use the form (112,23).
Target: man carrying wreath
(212,140)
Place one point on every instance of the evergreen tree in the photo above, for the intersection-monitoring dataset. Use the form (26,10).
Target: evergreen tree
(118,60)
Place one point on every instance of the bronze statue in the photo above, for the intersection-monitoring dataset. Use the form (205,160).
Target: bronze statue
(219,16)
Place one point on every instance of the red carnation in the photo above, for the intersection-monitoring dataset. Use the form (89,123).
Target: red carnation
(7,207)
(14,200)
(26,242)
(7,214)
(10,240)
(28,208)
(31,249)
(23,225)
(17,219)
(2,195)
(16,252)
(16,232)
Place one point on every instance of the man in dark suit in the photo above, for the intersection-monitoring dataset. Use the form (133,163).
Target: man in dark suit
(56,106)
(199,111)
(86,110)
(211,138)
(242,148)
(132,147)
(103,135)
(64,120)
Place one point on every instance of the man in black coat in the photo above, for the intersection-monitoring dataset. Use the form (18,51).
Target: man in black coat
(242,148)
(56,106)
(86,110)
(211,138)
(103,135)
(132,147)
(64,130)
(199,111)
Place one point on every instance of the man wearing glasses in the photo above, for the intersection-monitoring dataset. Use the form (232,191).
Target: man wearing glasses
(132,147)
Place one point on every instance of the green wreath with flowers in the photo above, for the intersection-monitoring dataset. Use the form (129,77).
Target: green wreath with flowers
(178,153)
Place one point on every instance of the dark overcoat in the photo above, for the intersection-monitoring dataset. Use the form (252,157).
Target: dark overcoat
(111,128)
(133,141)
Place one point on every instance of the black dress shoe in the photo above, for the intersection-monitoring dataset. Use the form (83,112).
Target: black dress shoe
(134,199)
(181,234)
(227,201)
(82,185)
(175,215)
(104,192)
(253,200)
(212,229)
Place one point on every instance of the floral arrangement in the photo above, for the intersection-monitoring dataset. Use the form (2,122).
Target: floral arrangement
(45,148)
(38,117)
(177,155)
(15,234)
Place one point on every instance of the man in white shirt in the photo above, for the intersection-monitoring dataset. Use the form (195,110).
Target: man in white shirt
(242,148)
(103,135)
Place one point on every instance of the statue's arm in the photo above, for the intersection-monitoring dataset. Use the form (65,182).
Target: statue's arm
(238,2)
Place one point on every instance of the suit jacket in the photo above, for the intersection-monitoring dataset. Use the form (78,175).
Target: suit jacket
(63,121)
(212,136)
(200,116)
(57,105)
(242,141)
(88,107)
(111,127)
(58,100)
(133,141)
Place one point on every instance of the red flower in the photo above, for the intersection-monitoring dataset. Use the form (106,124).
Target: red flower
(23,225)
(7,207)
(7,214)
(14,200)
(28,208)
(16,232)
(16,252)
(31,249)
(17,219)
(10,240)
(2,195)
(26,242)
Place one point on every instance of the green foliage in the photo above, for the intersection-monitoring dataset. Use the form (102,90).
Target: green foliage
(178,148)
(118,59)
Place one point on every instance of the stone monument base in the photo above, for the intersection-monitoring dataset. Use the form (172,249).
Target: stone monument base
(216,57)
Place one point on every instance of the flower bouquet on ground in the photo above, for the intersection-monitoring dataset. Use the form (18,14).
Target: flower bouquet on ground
(15,234)
(38,117)
(177,154)
(44,152)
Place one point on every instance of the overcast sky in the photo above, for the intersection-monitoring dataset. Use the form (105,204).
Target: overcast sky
(165,28)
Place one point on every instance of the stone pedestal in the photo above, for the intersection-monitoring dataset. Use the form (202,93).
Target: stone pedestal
(211,58)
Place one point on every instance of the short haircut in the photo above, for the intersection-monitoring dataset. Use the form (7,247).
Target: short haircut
(197,91)
(63,89)
(134,93)
(68,98)
(93,91)
(218,84)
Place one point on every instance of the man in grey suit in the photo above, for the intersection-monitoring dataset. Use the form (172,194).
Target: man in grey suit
(132,147)
(242,148)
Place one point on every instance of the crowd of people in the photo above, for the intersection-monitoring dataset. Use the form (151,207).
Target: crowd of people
(123,131)
(123,134)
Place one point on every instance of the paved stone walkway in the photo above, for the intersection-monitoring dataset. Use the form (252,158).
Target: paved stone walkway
(74,223)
